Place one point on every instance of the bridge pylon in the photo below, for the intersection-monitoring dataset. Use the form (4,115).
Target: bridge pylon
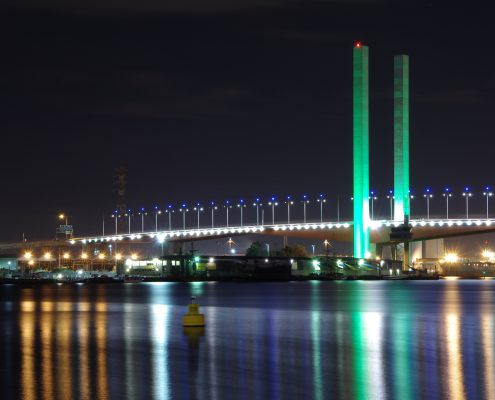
(361,151)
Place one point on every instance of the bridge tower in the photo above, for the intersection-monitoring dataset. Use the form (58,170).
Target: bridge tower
(361,150)
(401,146)
(401,138)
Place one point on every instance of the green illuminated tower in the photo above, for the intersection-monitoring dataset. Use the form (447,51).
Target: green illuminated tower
(401,137)
(361,150)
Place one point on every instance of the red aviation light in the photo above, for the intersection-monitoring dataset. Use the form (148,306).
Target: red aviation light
(357,44)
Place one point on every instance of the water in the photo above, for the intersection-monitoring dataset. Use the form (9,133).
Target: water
(304,340)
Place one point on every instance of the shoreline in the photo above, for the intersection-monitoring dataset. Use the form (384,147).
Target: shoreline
(30,282)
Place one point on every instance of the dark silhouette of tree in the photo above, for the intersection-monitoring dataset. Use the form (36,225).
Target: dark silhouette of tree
(297,250)
(257,249)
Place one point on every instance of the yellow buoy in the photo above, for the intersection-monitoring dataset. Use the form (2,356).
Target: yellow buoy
(193,317)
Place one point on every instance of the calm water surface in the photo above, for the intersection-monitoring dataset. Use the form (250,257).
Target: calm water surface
(305,340)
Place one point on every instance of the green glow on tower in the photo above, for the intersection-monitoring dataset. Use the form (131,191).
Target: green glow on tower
(361,150)
(401,137)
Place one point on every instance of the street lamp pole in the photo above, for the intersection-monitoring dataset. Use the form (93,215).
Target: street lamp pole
(257,205)
(169,210)
(321,199)
(157,211)
(142,213)
(447,194)
(487,193)
(373,198)
(241,205)
(411,197)
(213,208)
(227,206)
(467,194)
(326,243)
(116,216)
(183,210)
(198,208)
(273,203)
(129,219)
(390,196)
(289,203)
(304,201)
(428,195)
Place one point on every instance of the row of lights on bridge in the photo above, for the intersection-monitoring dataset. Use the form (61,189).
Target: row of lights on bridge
(289,200)
(47,256)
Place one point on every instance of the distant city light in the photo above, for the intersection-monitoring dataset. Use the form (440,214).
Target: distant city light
(488,255)
(451,257)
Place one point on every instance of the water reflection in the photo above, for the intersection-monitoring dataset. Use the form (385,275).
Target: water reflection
(451,332)
(487,341)
(27,328)
(160,366)
(352,340)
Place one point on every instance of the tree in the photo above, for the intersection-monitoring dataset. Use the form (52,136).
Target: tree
(298,250)
(257,249)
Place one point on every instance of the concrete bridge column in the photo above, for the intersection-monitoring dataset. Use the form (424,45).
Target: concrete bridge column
(405,258)
(379,250)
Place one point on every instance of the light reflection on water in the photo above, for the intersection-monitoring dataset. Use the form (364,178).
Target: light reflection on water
(319,340)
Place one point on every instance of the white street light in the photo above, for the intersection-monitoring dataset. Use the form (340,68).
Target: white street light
(257,204)
(428,195)
(128,214)
(305,201)
(241,205)
(116,216)
(169,210)
(227,206)
(157,212)
(289,202)
(411,197)
(327,244)
(391,197)
(198,209)
(213,207)
(142,213)
(447,194)
(183,209)
(372,197)
(273,203)
(467,194)
(487,193)
(321,199)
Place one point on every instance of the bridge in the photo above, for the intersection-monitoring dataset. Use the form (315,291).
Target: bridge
(424,229)
(368,234)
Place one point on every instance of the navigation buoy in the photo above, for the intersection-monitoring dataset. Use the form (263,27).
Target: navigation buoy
(193,317)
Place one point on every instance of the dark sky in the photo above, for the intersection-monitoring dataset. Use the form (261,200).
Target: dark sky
(208,100)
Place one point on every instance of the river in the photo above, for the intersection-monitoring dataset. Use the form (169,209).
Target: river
(301,340)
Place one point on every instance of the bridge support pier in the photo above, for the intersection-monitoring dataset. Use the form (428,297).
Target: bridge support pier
(379,250)
(393,251)
(405,258)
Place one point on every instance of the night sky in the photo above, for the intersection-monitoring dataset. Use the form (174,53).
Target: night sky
(221,99)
